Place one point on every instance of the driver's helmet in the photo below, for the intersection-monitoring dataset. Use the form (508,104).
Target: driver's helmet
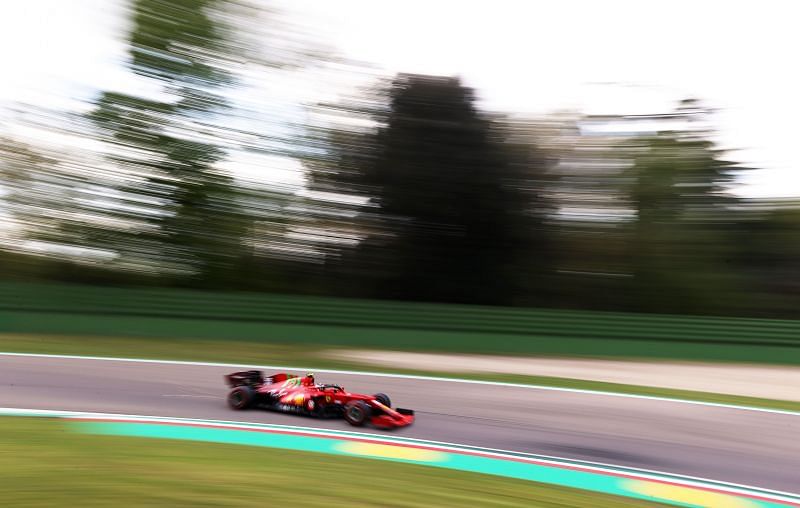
(309,380)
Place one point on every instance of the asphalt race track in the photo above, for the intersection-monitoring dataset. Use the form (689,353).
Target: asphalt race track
(760,449)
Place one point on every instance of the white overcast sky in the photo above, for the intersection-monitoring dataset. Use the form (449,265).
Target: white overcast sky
(520,55)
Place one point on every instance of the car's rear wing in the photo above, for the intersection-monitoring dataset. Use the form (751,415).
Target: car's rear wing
(245,378)
(255,378)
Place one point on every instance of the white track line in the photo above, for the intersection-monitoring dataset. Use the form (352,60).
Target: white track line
(411,376)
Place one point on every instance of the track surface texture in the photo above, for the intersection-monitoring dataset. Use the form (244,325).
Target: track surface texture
(747,447)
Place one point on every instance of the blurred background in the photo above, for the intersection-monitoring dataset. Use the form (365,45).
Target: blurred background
(506,153)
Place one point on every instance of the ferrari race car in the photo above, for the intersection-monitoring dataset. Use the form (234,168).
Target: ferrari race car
(292,394)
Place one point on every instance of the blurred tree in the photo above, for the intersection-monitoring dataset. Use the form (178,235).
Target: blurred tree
(683,236)
(770,259)
(29,189)
(168,143)
(38,186)
(530,181)
(451,208)
(587,208)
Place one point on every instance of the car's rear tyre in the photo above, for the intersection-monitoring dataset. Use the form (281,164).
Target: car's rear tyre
(356,413)
(383,399)
(241,397)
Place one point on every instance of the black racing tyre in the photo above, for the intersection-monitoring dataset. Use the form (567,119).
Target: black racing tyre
(356,412)
(383,399)
(241,397)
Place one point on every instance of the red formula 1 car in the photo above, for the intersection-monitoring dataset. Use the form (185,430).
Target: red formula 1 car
(292,394)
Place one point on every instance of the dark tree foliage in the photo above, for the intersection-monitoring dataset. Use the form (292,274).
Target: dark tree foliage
(769,256)
(455,211)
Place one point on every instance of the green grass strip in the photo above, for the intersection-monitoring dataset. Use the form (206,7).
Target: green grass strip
(562,476)
(45,466)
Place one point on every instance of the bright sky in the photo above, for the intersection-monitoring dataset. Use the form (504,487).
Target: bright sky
(521,55)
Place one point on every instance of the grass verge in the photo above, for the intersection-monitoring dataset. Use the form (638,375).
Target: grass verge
(312,357)
(45,465)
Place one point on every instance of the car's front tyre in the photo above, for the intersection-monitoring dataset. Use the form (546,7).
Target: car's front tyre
(356,412)
(383,399)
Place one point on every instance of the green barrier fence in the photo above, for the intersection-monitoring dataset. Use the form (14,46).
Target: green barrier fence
(77,309)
